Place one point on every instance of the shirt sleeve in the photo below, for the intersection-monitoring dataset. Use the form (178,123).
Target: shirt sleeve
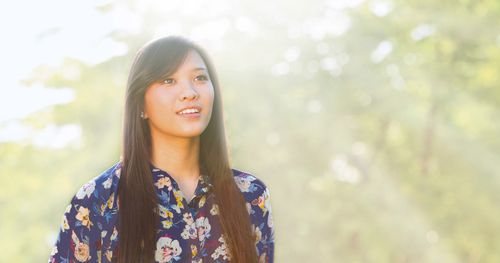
(262,218)
(79,238)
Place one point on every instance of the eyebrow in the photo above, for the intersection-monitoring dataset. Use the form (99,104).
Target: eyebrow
(199,68)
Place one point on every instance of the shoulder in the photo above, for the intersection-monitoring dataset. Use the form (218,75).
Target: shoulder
(258,201)
(98,189)
(248,183)
(255,191)
(82,222)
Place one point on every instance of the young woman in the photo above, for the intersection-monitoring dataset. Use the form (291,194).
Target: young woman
(173,196)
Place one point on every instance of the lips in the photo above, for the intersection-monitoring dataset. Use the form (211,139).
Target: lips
(189,107)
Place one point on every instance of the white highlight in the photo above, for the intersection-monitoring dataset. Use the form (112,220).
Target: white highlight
(383,49)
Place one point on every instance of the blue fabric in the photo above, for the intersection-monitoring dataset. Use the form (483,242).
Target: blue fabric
(186,233)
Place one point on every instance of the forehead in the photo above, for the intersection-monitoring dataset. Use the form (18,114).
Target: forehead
(192,61)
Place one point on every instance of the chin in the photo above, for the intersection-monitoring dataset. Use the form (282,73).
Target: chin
(183,130)
(191,133)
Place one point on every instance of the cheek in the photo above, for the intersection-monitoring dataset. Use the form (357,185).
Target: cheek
(210,95)
(157,102)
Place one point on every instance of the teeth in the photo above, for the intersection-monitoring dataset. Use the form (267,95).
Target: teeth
(188,111)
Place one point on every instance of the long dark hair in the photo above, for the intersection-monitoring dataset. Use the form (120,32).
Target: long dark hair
(138,220)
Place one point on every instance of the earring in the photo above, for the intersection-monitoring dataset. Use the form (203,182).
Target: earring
(143,115)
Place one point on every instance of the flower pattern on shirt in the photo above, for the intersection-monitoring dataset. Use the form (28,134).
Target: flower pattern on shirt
(187,232)
(167,250)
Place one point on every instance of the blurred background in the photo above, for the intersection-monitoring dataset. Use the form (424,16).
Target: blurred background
(375,124)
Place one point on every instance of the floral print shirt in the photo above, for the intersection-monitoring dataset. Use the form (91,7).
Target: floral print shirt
(187,232)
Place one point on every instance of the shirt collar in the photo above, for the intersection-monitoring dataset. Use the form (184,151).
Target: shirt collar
(205,184)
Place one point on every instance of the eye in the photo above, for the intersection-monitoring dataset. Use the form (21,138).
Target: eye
(168,81)
(203,77)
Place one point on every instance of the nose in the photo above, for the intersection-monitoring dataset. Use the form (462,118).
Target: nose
(188,91)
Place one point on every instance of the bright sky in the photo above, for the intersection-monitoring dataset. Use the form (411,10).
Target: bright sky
(45,32)
(42,34)
(39,33)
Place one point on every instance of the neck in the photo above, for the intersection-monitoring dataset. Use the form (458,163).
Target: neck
(178,156)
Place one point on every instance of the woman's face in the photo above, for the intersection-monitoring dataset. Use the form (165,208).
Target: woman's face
(190,86)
